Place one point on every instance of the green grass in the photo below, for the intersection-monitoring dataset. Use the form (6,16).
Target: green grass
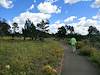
(28,57)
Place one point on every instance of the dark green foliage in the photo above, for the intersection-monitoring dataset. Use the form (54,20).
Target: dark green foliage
(42,29)
(61,32)
(4,28)
(93,30)
(25,30)
(93,36)
(14,27)
(29,30)
(43,25)
(33,31)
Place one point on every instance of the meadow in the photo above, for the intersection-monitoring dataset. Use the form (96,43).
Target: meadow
(19,57)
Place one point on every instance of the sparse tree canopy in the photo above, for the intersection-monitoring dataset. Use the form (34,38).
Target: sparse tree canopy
(15,27)
(70,28)
(93,30)
(43,25)
(43,29)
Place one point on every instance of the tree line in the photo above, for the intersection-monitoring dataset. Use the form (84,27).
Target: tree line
(40,31)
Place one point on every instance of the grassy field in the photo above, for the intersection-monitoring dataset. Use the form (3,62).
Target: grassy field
(19,57)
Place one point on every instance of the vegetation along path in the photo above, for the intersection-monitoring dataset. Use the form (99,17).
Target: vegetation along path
(77,65)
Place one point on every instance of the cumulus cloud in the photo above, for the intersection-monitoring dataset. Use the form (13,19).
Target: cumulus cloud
(82,18)
(96,4)
(51,1)
(6,3)
(80,27)
(49,8)
(70,19)
(74,1)
(31,7)
(54,27)
(34,17)
(81,30)
(71,1)
(83,24)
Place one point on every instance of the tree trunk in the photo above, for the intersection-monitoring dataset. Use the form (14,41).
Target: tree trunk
(32,38)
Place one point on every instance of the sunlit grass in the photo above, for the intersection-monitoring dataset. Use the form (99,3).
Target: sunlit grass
(28,57)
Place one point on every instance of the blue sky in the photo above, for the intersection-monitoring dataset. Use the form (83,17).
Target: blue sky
(78,9)
(59,12)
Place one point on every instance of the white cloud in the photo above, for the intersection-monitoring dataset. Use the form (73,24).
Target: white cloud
(74,1)
(51,1)
(80,26)
(54,27)
(34,17)
(6,3)
(96,4)
(70,19)
(49,8)
(81,30)
(82,18)
(71,1)
(83,24)
(31,7)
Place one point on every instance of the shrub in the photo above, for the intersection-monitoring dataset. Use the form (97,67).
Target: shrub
(87,51)
(81,44)
(95,56)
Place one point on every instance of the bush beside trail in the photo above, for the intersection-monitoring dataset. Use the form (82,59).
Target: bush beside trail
(86,49)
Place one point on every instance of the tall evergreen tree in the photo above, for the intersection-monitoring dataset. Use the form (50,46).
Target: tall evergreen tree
(43,25)
(29,30)
(43,29)
(92,30)
(61,32)
(33,32)
(4,27)
(14,27)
